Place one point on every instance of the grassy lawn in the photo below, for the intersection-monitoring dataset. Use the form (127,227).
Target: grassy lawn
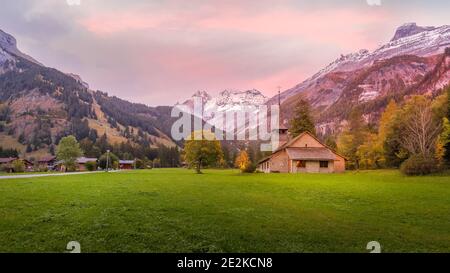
(223,211)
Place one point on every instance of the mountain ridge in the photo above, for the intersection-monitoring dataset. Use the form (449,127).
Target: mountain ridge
(426,42)
(39,105)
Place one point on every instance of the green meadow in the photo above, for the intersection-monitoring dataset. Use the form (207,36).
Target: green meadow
(175,210)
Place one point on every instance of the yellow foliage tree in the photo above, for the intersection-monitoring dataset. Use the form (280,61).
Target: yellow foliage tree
(243,161)
(386,120)
(370,152)
(202,149)
(442,141)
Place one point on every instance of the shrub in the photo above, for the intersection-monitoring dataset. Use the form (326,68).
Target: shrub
(4,168)
(42,168)
(18,166)
(419,165)
(251,168)
(91,166)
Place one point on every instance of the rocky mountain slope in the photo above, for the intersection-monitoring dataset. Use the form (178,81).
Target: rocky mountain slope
(415,61)
(39,105)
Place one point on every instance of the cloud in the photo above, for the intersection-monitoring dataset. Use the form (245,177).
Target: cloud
(159,52)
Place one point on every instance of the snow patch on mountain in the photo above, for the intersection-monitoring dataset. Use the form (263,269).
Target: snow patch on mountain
(409,29)
(409,39)
(226,102)
(8,48)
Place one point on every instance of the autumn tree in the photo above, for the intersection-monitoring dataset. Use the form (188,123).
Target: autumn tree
(393,151)
(421,129)
(201,149)
(68,151)
(302,120)
(18,166)
(330,141)
(442,142)
(352,138)
(372,150)
(447,146)
(243,161)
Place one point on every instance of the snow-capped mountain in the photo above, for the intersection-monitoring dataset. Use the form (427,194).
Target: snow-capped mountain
(226,101)
(409,39)
(415,61)
(8,50)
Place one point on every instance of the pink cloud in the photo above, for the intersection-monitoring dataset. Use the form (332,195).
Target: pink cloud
(226,53)
(110,23)
(342,27)
(338,26)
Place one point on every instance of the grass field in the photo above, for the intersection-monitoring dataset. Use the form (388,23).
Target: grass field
(223,211)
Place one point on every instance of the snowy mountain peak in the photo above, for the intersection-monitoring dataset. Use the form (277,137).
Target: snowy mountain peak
(248,97)
(8,42)
(342,61)
(8,48)
(409,39)
(226,101)
(202,94)
(409,29)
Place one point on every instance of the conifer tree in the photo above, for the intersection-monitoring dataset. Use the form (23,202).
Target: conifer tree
(302,120)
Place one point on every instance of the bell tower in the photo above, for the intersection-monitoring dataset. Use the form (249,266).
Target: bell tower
(283,131)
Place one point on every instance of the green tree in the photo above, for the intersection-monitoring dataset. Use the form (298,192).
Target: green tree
(202,150)
(89,148)
(112,161)
(91,166)
(68,151)
(302,120)
(18,166)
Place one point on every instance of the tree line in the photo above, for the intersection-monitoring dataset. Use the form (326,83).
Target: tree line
(413,136)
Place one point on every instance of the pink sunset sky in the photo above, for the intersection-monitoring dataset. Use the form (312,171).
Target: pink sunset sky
(161,52)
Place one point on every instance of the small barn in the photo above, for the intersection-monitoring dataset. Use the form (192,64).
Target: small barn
(6,164)
(48,162)
(126,164)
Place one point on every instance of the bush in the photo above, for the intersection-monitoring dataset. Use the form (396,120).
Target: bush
(18,166)
(419,165)
(251,168)
(91,166)
(42,168)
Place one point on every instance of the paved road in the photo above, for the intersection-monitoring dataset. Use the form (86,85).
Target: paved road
(44,175)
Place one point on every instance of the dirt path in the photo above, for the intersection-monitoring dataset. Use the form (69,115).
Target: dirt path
(44,175)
